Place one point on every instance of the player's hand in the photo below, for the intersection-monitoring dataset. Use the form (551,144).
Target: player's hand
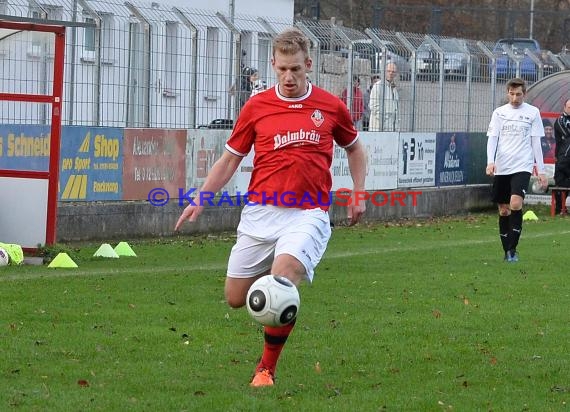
(355,211)
(190,213)
(490,170)
(543,180)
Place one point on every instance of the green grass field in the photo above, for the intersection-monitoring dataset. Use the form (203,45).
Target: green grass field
(402,316)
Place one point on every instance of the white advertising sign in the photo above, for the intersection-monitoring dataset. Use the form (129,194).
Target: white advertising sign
(416,164)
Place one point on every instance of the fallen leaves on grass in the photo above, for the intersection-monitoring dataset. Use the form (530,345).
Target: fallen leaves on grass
(334,391)
(560,389)
(318,367)
(464,299)
(445,406)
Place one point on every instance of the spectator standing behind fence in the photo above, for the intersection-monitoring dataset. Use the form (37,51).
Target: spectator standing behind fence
(513,146)
(357,106)
(292,128)
(244,84)
(562,154)
(258,85)
(384,102)
(548,142)
(366,98)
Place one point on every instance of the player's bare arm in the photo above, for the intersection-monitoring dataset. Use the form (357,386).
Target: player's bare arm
(356,155)
(221,173)
(537,150)
(490,170)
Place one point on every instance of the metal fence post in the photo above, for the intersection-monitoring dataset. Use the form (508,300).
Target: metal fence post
(146,53)
(316,52)
(236,57)
(97,91)
(194,77)
(408,45)
(441,56)
(493,66)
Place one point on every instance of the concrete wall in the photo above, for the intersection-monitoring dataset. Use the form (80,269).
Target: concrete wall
(135,219)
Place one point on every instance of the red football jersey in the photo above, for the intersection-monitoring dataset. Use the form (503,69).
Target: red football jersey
(293,143)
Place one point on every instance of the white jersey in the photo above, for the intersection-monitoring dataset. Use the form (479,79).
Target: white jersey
(513,143)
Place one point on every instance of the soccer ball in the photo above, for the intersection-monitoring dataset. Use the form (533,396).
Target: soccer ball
(4,257)
(273,300)
(537,187)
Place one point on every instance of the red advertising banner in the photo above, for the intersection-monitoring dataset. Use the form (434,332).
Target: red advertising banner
(153,158)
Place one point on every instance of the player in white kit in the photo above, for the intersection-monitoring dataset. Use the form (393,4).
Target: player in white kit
(513,147)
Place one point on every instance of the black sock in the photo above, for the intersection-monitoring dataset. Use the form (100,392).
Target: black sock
(516,228)
(504,229)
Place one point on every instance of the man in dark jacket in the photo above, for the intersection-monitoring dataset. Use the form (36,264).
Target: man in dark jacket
(562,166)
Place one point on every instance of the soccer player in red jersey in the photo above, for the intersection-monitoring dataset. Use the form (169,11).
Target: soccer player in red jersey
(291,128)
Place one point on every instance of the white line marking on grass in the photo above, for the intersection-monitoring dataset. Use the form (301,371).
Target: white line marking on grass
(433,245)
(60,273)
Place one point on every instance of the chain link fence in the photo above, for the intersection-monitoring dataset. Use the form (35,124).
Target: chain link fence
(444,83)
(139,64)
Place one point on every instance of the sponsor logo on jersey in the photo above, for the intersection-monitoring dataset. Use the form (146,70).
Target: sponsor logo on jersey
(296,106)
(299,137)
(317,118)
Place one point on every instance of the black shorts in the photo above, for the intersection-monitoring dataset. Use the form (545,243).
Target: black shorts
(506,185)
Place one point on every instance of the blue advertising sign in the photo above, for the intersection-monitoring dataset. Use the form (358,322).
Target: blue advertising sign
(91,163)
(24,147)
(451,159)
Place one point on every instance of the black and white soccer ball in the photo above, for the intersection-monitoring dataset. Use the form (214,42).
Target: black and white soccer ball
(273,300)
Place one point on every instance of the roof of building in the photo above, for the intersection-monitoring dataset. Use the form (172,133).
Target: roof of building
(550,93)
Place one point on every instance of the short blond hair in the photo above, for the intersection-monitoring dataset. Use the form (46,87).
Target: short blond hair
(291,41)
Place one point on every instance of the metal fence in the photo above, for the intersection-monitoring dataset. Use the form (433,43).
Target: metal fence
(138,64)
(444,83)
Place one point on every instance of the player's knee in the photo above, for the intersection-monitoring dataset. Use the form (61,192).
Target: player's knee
(516,203)
(234,301)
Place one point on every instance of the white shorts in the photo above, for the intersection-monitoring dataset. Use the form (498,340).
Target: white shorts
(268,231)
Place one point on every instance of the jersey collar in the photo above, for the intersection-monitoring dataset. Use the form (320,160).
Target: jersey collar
(294,99)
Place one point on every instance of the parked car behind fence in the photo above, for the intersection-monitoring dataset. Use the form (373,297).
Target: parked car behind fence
(456,60)
(513,52)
